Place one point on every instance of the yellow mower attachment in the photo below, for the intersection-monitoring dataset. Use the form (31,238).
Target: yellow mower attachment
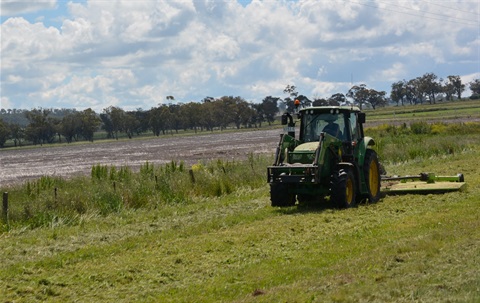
(424,183)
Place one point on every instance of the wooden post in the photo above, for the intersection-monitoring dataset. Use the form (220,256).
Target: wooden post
(5,207)
(192,176)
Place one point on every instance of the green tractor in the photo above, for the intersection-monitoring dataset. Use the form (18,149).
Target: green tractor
(331,157)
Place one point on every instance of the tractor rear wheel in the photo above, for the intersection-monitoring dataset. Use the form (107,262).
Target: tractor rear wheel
(343,188)
(371,172)
(280,196)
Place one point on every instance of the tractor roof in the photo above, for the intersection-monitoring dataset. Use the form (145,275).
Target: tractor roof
(330,108)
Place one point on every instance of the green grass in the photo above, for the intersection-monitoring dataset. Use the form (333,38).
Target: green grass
(441,111)
(158,237)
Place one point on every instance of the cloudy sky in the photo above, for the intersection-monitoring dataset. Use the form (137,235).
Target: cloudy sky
(132,54)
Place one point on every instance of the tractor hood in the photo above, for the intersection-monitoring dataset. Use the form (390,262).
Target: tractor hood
(307,147)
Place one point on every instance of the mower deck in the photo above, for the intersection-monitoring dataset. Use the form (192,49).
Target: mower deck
(420,187)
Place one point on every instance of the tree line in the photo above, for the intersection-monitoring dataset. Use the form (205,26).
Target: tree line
(41,126)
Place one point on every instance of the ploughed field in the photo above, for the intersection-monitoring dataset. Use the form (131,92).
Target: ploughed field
(66,161)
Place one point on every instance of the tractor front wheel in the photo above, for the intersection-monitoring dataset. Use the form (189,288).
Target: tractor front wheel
(280,196)
(343,188)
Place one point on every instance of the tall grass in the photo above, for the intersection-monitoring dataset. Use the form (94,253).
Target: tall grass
(50,200)
(111,189)
(421,140)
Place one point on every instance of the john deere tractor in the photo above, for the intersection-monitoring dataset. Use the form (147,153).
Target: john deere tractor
(330,158)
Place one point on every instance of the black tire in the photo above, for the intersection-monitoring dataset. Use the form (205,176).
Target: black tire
(343,188)
(371,172)
(280,196)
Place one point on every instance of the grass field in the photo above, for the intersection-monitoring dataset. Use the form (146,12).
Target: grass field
(159,236)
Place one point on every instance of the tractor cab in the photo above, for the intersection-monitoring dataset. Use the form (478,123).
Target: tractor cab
(339,122)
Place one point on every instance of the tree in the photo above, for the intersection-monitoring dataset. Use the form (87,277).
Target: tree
(130,124)
(89,124)
(413,92)
(71,127)
(177,118)
(113,119)
(359,94)
(154,121)
(456,82)
(193,112)
(291,90)
(337,99)
(376,98)
(475,87)
(41,128)
(429,86)
(449,90)
(270,108)
(399,92)
(4,133)
(320,102)
(17,133)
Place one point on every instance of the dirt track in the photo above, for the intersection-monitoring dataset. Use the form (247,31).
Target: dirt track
(17,166)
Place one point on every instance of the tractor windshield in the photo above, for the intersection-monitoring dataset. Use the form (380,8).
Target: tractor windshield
(314,124)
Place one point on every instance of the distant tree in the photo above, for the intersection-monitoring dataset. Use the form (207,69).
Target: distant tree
(448,89)
(320,102)
(359,94)
(41,128)
(130,124)
(289,101)
(459,87)
(115,117)
(71,127)
(376,98)
(337,99)
(17,133)
(107,124)
(475,87)
(208,99)
(4,133)
(89,124)
(177,118)
(270,108)
(142,117)
(209,115)
(192,112)
(414,92)
(399,92)
(429,86)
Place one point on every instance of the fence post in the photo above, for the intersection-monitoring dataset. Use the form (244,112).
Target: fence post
(192,176)
(5,207)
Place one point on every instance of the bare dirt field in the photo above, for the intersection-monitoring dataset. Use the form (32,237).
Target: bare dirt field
(19,165)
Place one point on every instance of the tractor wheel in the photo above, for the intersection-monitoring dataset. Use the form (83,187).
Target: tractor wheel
(371,172)
(343,188)
(280,196)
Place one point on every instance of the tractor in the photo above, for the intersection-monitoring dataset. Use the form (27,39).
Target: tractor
(331,157)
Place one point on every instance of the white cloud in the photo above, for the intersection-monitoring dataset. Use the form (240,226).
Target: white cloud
(134,53)
(14,7)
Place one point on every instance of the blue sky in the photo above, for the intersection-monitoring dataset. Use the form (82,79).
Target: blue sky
(132,54)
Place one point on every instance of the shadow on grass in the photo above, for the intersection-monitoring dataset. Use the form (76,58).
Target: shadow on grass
(321,205)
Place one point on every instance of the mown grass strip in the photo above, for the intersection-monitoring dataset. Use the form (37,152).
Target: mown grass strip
(234,247)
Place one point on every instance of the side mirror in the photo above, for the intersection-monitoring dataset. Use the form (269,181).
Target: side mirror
(361,118)
(285,119)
